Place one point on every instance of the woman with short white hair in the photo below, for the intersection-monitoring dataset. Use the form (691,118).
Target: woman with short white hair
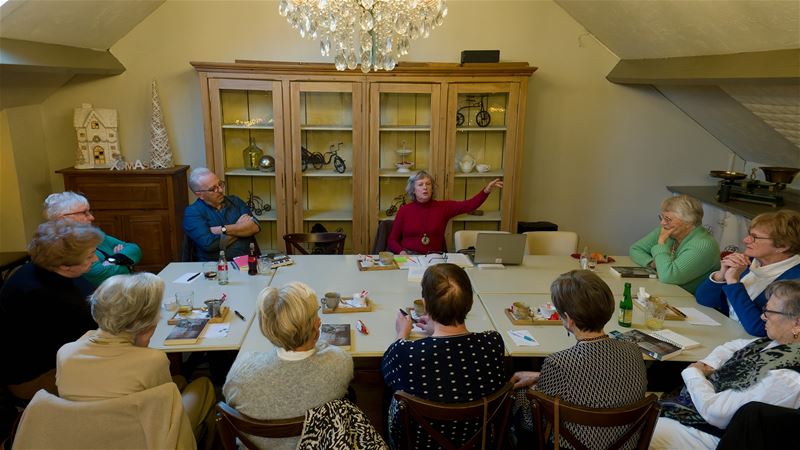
(114,257)
(115,360)
(681,250)
(299,374)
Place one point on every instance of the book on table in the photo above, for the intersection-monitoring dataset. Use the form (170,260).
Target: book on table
(280,260)
(650,345)
(633,272)
(186,332)
(337,334)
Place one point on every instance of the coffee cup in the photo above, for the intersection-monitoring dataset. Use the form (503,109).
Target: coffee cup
(214,307)
(419,307)
(331,300)
(387,258)
(521,310)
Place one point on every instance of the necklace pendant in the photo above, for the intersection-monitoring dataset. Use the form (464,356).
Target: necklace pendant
(425,239)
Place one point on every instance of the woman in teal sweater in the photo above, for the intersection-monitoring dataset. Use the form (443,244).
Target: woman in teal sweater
(114,257)
(680,249)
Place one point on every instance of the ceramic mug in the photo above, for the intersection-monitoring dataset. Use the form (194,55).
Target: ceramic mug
(331,300)
(387,258)
(419,307)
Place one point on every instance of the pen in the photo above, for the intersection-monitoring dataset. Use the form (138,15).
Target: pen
(361,327)
(521,336)
(193,277)
(235,266)
(239,315)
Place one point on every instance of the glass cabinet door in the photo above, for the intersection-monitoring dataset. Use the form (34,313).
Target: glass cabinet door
(482,134)
(327,165)
(404,139)
(245,115)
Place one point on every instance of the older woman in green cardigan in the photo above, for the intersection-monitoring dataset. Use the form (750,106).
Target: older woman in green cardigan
(681,250)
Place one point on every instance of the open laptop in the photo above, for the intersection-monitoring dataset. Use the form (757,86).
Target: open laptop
(500,248)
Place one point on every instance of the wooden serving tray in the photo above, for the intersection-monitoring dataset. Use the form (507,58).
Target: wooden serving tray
(198,313)
(672,312)
(531,321)
(377,265)
(348,309)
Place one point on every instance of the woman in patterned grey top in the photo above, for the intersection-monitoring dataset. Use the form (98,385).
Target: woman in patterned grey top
(298,374)
(451,365)
(597,372)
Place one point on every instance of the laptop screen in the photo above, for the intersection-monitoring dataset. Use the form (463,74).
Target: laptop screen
(497,248)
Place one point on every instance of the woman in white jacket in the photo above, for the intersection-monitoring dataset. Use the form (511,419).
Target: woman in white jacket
(735,373)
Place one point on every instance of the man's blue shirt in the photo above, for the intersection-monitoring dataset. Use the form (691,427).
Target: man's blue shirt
(200,216)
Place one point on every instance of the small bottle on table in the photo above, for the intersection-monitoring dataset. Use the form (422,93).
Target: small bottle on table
(222,268)
(252,262)
(626,308)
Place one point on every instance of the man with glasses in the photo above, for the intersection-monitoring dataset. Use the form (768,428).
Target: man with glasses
(216,221)
(114,257)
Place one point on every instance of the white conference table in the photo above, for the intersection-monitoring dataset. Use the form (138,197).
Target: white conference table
(553,338)
(241,291)
(389,290)
(537,272)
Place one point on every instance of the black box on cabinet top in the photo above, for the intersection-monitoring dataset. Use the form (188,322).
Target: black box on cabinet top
(522,227)
(480,56)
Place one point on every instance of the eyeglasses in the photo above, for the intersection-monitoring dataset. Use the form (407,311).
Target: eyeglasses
(85,212)
(217,187)
(766,312)
(755,238)
(665,219)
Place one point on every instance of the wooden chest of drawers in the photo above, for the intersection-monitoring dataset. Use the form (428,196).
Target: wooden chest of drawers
(140,206)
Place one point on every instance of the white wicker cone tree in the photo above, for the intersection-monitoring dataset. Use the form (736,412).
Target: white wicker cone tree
(160,153)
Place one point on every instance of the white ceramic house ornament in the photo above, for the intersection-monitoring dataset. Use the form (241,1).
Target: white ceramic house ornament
(98,142)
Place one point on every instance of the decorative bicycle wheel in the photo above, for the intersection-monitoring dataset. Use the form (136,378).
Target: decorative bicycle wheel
(483,118)
(338,164)
(317,160)
(459,119)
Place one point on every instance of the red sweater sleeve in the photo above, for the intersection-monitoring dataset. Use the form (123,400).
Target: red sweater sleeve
(455,208)
(393,241)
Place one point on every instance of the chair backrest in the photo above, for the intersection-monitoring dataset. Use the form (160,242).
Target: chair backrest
(153,418)
(381,236)
(187,249)
(464,239)
(329,243)
(640,418)
(552,242)
(492,410)
(232,424)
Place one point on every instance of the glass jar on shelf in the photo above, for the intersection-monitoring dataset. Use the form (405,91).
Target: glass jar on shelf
(252,155)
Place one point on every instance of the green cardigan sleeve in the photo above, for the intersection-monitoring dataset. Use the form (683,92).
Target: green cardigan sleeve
(694,259)
(640,250)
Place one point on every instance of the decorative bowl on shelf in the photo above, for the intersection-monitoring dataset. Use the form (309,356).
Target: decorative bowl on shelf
(404,167)
(483,168)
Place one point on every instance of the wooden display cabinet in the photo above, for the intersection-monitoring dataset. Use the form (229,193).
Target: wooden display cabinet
(140,206)
(376,121)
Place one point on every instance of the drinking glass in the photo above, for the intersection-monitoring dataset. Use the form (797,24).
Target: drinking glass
(264,264)
(210,270)
(185,300)
(655,313)
(592,264)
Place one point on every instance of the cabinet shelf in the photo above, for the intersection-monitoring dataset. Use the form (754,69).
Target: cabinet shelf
(482,129)
(248,173)
(488,216)
(317,215)
(474,174)
(245,127)
(421,128)
(325,128)
(269,216)
(393,173)
(327,173)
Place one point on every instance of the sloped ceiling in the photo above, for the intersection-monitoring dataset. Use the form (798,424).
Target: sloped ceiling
(95,24)
(638,29)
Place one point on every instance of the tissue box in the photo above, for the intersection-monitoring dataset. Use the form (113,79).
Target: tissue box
(546,310)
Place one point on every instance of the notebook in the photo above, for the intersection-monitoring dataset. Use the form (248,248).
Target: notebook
(500,248)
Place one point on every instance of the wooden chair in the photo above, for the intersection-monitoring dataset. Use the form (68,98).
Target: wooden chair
(330,243)
(464,239)
(493,410)
(552,242)
(639,417)
(381,236)
(232,424)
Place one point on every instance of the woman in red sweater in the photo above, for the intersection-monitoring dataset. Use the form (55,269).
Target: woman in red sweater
(419,226)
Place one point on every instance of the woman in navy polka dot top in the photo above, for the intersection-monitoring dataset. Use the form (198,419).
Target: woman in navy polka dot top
(451,365)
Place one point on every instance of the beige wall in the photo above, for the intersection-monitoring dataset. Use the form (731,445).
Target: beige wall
(597,155)
(12,229)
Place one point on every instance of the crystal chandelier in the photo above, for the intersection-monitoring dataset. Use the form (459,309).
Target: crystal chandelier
(372,33)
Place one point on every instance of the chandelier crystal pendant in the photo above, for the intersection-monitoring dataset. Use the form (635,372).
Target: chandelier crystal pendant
(370,33)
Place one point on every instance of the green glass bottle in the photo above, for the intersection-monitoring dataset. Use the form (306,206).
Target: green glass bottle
(626,308)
